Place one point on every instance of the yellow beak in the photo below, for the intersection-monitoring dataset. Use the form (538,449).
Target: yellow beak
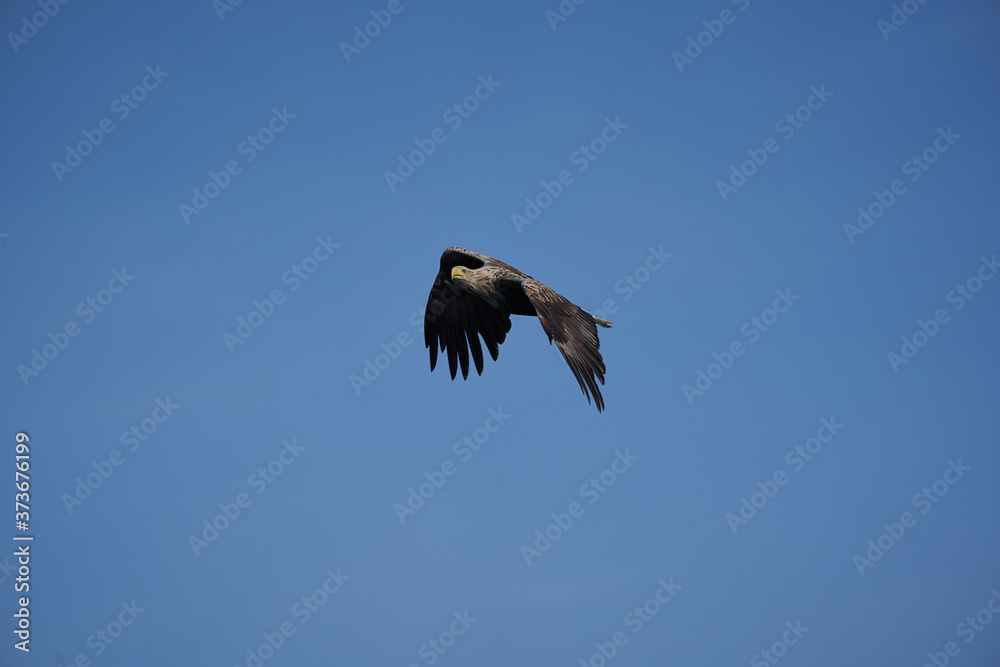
(457,272)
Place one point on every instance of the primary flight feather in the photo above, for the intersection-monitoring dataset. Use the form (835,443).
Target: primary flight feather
(474,296)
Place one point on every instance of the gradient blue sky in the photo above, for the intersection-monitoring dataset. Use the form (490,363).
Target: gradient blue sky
(314,201)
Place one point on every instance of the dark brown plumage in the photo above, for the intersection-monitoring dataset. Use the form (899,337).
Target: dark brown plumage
(474,296)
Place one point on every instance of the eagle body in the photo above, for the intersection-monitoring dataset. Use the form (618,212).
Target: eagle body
(474,296)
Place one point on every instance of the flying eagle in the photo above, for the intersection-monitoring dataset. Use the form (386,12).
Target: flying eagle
(475,295)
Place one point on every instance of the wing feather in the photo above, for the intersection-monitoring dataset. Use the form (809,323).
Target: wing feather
(455,319)
(470,334)
(574,333)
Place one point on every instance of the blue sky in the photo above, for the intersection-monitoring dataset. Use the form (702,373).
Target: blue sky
(219,231)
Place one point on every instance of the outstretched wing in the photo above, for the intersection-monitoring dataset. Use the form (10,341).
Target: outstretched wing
(455,319)
(574,333)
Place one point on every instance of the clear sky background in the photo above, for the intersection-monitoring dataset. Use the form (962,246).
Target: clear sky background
(733,529)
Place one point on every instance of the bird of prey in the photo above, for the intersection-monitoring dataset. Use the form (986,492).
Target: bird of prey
(474,296)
